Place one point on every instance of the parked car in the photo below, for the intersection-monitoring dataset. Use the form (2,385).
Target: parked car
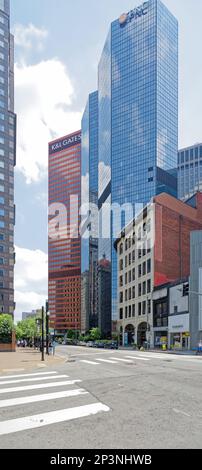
(111,345)
(114,345)
(90,344)
(99,345)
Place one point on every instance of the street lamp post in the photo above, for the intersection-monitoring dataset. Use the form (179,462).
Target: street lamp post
(42,333)
(47,328)
(147,323)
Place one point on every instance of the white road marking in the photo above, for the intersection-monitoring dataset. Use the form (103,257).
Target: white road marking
(12,370)
(91,362)
(53,417)
(181,412)
(44,397)
(39,374)
(35,379)
(151,356)
(38,386)
(139,358)
(122,360)
(107,360)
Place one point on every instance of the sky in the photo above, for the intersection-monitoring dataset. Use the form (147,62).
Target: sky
(58,44)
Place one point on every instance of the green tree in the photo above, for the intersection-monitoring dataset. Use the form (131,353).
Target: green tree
(95,334)
(6,328)
(71,334)
(27,329)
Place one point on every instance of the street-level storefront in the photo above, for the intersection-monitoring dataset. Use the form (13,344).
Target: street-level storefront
(160,338)
(179,332)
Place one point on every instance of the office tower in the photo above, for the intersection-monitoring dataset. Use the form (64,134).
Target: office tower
(89,216)
(138,118)
(104,296)
(64,244)
(189,171)
(7,161)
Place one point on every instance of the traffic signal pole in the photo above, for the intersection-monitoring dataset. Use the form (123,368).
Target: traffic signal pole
(42,333)
(47,328)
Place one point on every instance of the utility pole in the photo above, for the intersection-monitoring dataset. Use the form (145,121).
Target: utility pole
(42,333)
(47,328)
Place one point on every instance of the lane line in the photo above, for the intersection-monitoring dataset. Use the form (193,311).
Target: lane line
(53,417)
(91,362)
(108,361)
(40,374)
(122,360)
(38,386)
(44,397)
(36,379)
(138,358)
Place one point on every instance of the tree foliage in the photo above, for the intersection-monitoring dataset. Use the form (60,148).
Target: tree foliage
(27,329)
(95,334)
(6,328)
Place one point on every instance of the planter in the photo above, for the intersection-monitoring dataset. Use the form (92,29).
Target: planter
(7,347)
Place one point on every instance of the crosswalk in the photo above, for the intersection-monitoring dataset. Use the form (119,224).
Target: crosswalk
(63,399)
(139,357)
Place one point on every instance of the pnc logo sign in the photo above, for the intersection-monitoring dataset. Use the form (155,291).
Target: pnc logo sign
(134,14)
(123,18)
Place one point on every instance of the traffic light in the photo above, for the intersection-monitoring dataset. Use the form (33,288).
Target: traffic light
(185,290)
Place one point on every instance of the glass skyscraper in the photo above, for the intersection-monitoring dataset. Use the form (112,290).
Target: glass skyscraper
(89,219)
(7,161)
(138,117)
(189,171)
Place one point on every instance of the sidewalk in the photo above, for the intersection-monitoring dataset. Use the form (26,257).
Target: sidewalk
(25,359)
(167,351)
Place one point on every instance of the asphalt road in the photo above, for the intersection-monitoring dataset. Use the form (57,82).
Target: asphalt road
(103,399)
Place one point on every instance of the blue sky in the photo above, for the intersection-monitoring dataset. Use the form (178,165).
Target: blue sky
(57,49)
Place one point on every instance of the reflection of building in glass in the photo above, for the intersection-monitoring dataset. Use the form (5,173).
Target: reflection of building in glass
(7,161)
(138,116)
(189,171)
(64,247)
(89,200)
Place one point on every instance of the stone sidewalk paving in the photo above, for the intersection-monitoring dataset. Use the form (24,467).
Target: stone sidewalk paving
(25,359)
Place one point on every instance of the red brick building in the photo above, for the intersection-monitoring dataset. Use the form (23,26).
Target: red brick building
(153,250)
(174,221)
(64,244)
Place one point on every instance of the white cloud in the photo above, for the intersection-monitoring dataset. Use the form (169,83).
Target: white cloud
(31,280)
(30,36)
(44,94)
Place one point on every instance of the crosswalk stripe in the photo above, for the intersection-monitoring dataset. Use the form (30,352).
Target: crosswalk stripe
(38,386)
(119,359)
(35,379)
(107,360)
(90,362)
(40,374)
(152,356)
(137,357)
(44,397)
(53,417)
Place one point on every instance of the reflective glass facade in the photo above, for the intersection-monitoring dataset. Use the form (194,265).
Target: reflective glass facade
(89,216)
(189,171)
(64,243)
(138,115)
(7,161)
